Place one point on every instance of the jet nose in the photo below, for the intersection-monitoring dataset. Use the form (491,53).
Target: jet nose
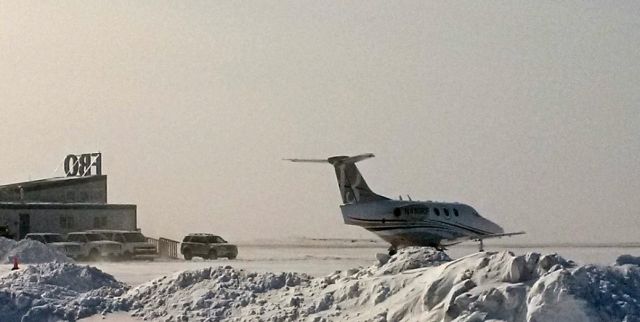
(491,227)
(494,228)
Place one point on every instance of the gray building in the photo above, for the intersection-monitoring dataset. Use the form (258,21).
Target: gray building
(62,205)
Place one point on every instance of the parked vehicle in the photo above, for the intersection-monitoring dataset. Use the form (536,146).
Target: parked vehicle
(58,242)
(134,244)
(96,246)
(4,232)
(207,246)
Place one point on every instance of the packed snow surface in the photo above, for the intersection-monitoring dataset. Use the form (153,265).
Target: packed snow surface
(417,284)
(29,252)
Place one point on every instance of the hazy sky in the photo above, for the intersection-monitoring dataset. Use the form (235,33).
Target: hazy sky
(529,111)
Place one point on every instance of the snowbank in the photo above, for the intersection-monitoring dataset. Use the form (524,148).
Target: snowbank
(35,252)
(56,291)
(406,259)
(30,252)
(210,292)
(414,285)
(6,245)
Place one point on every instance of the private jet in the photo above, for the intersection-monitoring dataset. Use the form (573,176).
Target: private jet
(404,223)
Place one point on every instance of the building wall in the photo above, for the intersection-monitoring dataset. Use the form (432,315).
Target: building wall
(89,190)
(70,219)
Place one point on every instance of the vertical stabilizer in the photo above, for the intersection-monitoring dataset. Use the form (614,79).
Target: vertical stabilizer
(353,187)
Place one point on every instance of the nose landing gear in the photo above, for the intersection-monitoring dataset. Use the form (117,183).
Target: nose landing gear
(393,250)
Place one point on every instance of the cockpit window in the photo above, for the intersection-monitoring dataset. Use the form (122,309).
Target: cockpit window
(455,212)
(446,211)
(437,211)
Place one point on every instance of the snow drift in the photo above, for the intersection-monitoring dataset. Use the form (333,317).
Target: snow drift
(29,252)
(415,285)
(56,291)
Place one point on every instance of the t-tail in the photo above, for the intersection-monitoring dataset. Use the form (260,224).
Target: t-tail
(352,186)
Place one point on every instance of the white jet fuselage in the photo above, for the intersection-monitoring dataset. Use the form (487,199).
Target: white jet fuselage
(416,223)
(405,222)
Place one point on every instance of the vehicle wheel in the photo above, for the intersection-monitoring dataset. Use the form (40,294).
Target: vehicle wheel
(212,254)
(94,255)
(232,256)
(187,254)
(127,256)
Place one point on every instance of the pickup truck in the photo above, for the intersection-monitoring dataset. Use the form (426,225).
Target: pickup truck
(57,241)
(134,244)
(207,246)
(96,246)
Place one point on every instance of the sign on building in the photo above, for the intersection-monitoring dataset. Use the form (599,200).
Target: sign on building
(83,165)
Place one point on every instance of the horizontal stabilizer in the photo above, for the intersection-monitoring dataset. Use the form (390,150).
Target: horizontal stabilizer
(336,159)
(308,160)
(353,159)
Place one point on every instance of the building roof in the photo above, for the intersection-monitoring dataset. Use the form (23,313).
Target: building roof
(56,205)
(51,182)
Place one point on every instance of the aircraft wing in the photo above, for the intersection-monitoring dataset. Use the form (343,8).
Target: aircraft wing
(479,238)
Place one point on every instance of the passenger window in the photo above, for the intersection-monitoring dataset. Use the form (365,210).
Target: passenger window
(446,211)
(437,211)
(455,212)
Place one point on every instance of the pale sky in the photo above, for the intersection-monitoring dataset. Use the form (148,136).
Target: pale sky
(529,111)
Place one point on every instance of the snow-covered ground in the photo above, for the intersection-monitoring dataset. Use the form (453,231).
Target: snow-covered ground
(300,283)
(319,261)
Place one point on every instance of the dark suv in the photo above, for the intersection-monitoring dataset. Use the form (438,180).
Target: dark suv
(207,246)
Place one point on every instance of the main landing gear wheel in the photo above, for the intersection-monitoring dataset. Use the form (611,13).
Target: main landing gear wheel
(393,250)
